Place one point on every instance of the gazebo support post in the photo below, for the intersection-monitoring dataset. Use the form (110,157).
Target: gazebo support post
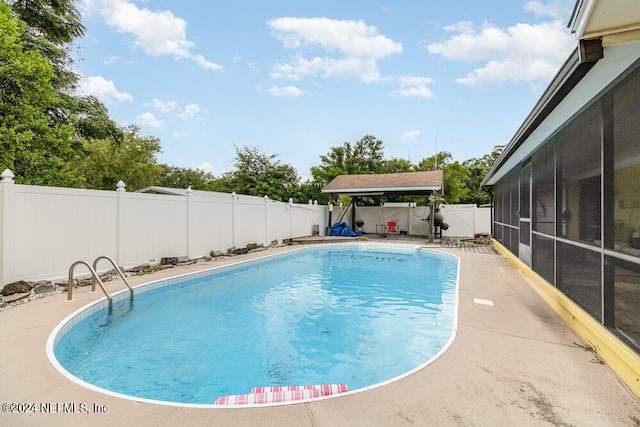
(432,214)
(353,214)
(330,209)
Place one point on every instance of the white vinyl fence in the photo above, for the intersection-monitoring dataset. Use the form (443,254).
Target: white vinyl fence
(463,220)
(46,229)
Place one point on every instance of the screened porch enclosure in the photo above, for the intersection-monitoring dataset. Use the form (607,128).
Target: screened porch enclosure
(571,210)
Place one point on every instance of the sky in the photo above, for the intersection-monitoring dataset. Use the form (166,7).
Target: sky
(295,78)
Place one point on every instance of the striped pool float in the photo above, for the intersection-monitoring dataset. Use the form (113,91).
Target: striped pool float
(279,394)
(324,389)
(269,397)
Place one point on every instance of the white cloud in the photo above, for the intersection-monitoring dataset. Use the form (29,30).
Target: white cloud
(353,38)
(207,65)
(410,136)
(162,106)
(351,48)
(413,86)
(285,91)
(103,89)
(149,120)
(366,70)
(554,8)
(191,111)
(155,32)
(521,53)
(180,135)
(111,59)
(253,65)
(205,167)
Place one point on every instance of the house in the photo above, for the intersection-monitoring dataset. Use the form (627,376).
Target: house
(566,189)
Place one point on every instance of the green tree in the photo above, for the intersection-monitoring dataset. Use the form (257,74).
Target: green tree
(395,165)
(176,177)
(104,162)
(50,27)
(455,179)
(260,174)
(436,161)
(33,145)
(365,156)
(477,169)
(455,175)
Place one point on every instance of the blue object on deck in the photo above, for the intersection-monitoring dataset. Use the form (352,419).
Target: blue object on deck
(342,229)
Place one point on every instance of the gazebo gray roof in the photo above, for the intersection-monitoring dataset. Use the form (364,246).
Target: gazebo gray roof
(388,184)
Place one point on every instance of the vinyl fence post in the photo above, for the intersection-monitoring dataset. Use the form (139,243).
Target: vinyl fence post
(266,220)
(121,190)
(475,231)
(316,219)
(233,219)
(189,222)
(310,217)
(290,218)
(7,227)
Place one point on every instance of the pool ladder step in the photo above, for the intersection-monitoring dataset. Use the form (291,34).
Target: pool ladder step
(120,310)
(95,278)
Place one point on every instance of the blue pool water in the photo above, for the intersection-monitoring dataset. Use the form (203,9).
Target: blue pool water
(353,315)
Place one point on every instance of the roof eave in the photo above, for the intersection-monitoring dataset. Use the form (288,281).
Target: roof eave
(581,11)
(573,70)
(381,190)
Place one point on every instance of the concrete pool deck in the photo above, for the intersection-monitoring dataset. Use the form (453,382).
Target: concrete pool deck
(516,362)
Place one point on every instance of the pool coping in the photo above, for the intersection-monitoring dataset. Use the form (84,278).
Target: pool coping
(514,362)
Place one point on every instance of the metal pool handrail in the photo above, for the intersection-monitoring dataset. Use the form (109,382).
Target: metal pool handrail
(95,277)
(93,282)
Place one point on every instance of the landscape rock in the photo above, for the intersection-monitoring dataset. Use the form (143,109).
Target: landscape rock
(241,251)
(84,282)
(140,268)
(16,287)
(111,273)
(169,260)
(15,297)
(252,246)
(482,239)
(44,287)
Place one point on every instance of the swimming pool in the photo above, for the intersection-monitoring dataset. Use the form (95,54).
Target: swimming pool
(359,314)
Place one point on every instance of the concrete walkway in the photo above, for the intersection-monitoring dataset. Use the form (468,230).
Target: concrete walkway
(513,363)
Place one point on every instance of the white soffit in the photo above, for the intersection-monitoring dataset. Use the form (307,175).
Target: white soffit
(600,18)
(616,60)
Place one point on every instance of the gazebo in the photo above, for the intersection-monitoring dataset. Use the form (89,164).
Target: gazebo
(387,184)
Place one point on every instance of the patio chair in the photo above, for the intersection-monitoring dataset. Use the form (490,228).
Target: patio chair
(391,227)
